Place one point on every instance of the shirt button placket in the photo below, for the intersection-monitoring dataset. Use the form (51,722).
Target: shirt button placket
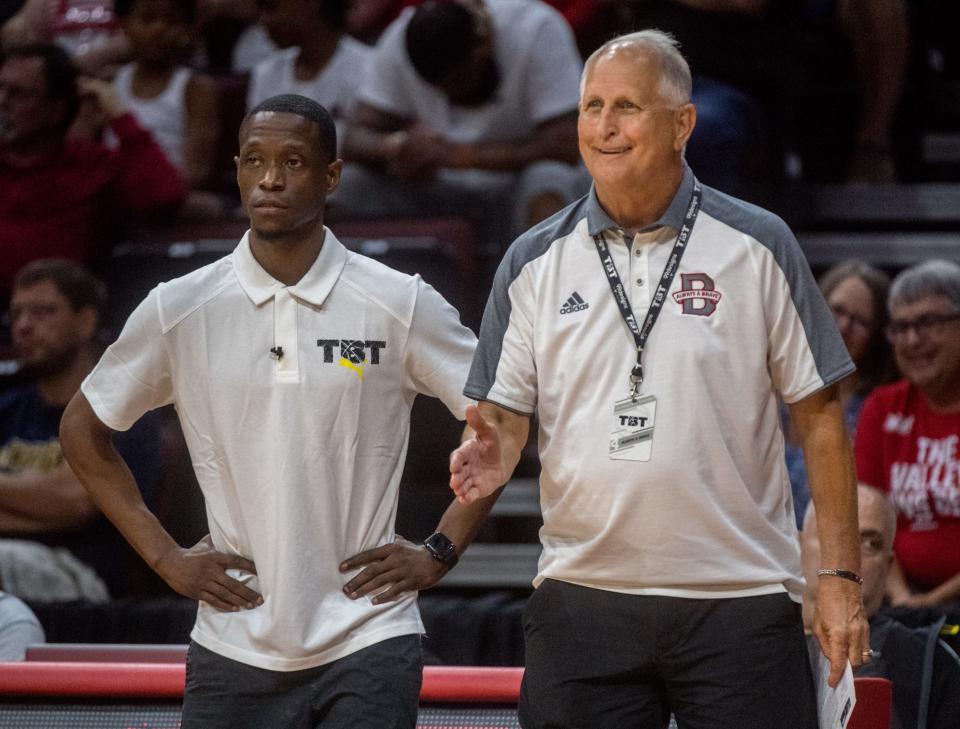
(285,335)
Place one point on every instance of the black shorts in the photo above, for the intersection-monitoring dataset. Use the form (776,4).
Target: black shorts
(377,687)
(605,660)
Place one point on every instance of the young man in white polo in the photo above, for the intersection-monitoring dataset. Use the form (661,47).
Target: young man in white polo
(293,364)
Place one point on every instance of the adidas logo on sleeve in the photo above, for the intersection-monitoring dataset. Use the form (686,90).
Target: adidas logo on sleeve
(573,304)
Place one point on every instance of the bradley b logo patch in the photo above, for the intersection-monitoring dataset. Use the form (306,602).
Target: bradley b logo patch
(353,352)
(698,295)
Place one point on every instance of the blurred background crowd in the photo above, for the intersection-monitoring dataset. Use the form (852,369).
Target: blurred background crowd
(457,124)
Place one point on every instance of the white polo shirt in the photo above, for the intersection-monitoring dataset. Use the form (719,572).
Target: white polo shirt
(710,514)
(299,458)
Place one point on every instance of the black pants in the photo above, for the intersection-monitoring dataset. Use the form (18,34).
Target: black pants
(375,688)
(604,660)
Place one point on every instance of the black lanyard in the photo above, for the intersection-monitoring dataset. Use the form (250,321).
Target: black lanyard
(641,334)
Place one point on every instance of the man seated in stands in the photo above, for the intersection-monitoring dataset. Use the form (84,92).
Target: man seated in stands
(468,108)
(924,670)
(55,312)
(317,59)
(908,436)
(61,194)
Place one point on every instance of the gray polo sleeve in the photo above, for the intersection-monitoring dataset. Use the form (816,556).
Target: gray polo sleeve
(806,352)
(504,369)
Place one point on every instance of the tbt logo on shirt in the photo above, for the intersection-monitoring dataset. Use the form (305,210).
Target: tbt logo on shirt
(353,352)
(698,295)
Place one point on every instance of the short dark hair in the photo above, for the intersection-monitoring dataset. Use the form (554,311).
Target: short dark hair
(186,8)
(58,70)
(80,287)
(440,36)
(307,109)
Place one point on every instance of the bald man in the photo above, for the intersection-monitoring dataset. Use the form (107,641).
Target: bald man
(925,671)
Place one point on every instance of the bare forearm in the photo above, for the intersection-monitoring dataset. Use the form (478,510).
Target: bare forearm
(460,522)
(363,144)
(506,156)
(554,140)
(35,502)
(88,447)
(832,479)
(945,592)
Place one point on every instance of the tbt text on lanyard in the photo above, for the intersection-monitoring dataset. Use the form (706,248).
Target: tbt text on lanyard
(642,333)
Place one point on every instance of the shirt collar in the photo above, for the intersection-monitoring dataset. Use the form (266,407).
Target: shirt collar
(313,288)
(598,220)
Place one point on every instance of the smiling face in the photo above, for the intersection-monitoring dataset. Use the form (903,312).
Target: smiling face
(284,175)
(631,133)
(928,356)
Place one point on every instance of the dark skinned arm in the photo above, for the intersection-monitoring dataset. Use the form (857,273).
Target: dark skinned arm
(198,572)
(393,569)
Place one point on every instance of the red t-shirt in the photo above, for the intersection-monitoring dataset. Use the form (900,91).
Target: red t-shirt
(913,454)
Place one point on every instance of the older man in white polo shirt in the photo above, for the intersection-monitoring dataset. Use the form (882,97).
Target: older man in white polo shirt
(293,364)
(652,326)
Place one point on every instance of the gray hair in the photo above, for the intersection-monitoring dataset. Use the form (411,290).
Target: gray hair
(938,277)
(676,83)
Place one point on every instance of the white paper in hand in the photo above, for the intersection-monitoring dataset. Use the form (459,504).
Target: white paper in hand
(834,705)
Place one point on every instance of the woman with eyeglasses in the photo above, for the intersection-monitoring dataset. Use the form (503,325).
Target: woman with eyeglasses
(856,293)
(908,438)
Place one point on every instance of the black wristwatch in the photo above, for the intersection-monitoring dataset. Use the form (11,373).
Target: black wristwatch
(442,549)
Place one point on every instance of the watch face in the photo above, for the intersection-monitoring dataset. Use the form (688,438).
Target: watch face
(441,547)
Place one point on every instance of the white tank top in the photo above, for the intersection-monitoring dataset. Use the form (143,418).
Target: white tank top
(164,115)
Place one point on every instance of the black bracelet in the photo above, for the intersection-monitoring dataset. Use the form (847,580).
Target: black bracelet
(842,574)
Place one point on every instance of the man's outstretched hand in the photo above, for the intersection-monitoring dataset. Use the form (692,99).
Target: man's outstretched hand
(476,467)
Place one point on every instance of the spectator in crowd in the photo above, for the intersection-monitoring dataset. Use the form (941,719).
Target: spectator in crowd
(19,628)
(856,293)
(318,60)
(908,436)
(651,326)
(924,670)
(467,108)
(835,48)
(296,409)
(734,100)
(86,29)
(175,104)
(61,194)
(879,38)
(55,311)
